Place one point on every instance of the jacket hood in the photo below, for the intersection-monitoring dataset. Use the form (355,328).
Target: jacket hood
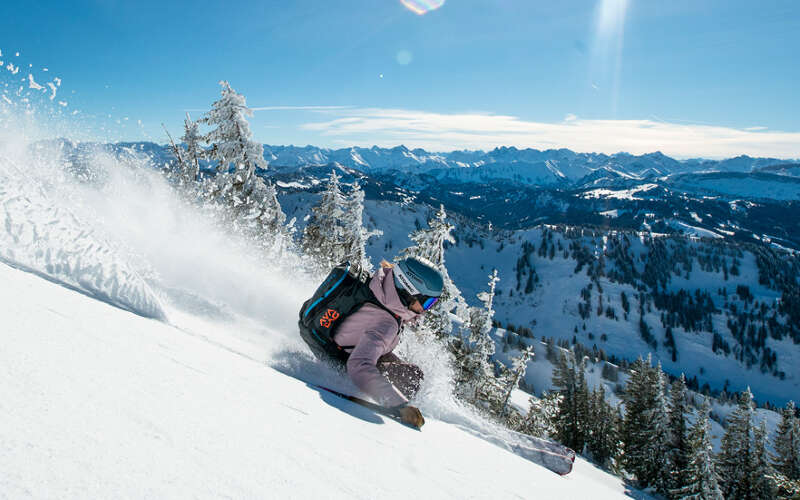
(382,285)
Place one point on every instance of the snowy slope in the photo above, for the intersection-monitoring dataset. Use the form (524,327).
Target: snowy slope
(98,402)
(552,308)
(210,398)
(750,186)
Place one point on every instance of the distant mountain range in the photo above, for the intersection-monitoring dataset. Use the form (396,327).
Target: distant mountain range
(742,198)
(530,167)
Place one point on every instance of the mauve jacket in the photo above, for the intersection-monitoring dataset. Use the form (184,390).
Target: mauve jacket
(371,332)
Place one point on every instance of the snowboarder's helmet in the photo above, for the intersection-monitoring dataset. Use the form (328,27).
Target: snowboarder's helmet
(418,279)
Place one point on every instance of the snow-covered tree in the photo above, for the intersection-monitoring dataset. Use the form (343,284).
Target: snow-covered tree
(540,420)
(659,445)
(268,210)
(193,153)
(638,403)
(181,172)
(678,439)
(571,421)
(736,458)
(701,480)
(231,136)
(480,318)
(323,236)
(429,244)
(645,430)
(335,232)
(475,374)
(787,444)
(237,156)
(602,440)
(787,489)
(510,381)
(355,234)
(760,469)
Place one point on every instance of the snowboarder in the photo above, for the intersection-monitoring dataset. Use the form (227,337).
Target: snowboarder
(368,336)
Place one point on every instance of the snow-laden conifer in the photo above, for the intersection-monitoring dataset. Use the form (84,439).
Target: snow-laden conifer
(178,170)
(355,234)
(645,429)
(582,394)
(231,136)
(335,232)
(787,444)
(736,458)
(236,186)
(787,489)
(268,210)
(760,469)
(429,244)
(540,420)
(678,453)
(602,440)
(573,412)
(659,443)
(700,476)
(323,236)
(194,152)
(638,403)
(475,374)
(480,318)
(510,381)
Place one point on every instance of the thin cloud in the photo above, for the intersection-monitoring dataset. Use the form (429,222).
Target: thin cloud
(299,108)
(318,109)
(447,132)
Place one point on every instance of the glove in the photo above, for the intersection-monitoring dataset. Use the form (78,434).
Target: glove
(411,416)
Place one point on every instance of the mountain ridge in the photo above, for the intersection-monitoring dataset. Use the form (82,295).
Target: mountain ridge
(557,165)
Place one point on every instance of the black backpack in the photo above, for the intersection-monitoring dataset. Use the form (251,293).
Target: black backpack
(342,293)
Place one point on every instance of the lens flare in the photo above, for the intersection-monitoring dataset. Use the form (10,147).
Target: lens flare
(421,7)
(608,46)
(404,57)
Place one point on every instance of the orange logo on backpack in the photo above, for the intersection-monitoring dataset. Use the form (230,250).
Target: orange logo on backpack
(330,316)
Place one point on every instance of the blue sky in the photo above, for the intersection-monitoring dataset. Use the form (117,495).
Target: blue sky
(690,78)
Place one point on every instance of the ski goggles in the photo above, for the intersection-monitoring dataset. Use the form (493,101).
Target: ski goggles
(407,299)
(428,302)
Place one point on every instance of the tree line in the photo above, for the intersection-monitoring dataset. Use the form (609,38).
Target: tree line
(652,440)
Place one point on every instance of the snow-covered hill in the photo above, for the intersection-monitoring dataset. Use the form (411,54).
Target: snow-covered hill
(754,186)
(100,402)
(547,288)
